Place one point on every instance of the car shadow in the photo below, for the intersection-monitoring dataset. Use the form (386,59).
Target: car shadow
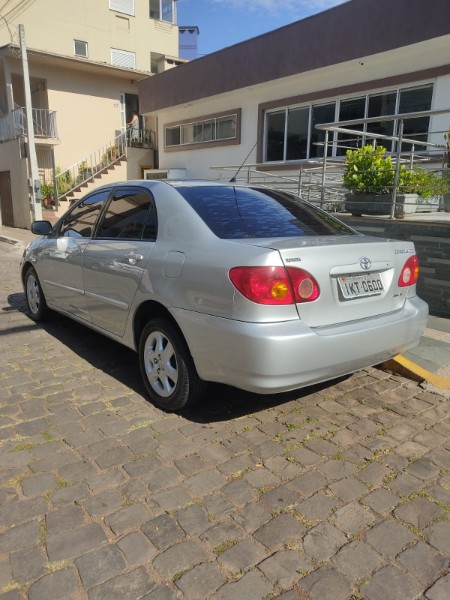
(220,402)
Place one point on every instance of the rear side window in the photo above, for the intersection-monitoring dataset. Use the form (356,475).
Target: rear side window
(237,213)
(129,216)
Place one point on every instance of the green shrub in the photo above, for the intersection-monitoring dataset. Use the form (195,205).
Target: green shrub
(47,190)
(369,171)
(422,182)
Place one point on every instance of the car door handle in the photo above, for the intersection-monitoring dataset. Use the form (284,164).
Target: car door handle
(133,257)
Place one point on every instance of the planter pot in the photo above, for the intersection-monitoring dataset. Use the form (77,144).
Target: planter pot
(446,176)
(380,204)
(447,202)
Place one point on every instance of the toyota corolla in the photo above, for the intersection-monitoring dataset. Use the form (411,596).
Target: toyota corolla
(241,285)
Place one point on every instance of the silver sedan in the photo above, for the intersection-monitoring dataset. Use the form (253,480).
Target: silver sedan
(241,285)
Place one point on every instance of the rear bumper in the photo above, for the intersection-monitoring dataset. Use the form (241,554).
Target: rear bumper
(277,357)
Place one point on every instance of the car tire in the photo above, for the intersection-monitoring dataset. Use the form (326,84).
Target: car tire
(36,303)
(167,367)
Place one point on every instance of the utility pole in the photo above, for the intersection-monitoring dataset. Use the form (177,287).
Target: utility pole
(34,184)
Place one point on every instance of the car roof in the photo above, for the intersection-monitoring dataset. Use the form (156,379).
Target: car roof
(176,183)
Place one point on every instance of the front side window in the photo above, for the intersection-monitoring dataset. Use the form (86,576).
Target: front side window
(129,216)
(80,222)
(238,213)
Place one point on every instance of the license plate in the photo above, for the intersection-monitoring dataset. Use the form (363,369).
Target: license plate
(360,286)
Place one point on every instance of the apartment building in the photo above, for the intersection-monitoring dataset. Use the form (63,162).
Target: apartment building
(259,101)
(85,60)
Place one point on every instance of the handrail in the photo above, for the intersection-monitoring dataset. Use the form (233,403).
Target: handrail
(14,124)
(88,167)
(100,160)
(319,179)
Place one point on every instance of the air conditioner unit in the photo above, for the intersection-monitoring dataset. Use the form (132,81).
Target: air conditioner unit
(164,173)
(154,173)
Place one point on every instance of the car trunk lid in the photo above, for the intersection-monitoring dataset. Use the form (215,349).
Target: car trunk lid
(357,275)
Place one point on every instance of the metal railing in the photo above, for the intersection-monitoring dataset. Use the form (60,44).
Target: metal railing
(92,165)
(320,180)
(417,152)
(14,124)
(140,138)
(89,167)
(306,184)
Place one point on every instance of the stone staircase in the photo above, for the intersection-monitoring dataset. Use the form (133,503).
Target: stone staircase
(116,171)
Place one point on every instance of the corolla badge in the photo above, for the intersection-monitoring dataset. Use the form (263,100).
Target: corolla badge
(365,263)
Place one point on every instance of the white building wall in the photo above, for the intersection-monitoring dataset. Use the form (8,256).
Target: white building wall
(441,101)
(198,163)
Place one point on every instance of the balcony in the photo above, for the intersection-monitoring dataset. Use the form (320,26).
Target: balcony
(14,124)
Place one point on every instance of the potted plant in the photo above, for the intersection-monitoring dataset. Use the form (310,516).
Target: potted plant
(370,175)
(48,194)
(424,184)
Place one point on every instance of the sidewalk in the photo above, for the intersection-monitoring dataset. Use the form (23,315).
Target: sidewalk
(432,355)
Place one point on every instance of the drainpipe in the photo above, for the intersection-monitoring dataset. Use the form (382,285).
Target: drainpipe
(34,184)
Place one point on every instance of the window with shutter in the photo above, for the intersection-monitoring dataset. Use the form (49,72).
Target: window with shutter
(122,58)
(122,6)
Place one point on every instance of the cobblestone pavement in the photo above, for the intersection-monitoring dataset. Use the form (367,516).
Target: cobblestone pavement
(335,492)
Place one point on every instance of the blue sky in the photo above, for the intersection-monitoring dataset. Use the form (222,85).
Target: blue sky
(227,22)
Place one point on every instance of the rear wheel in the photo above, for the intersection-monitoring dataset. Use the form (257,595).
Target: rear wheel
(37,306)
(167,367)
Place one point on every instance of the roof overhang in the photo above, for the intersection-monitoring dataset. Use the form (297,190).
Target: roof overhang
(40,57)
(358,28)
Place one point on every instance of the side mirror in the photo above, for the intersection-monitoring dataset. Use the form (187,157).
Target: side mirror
(41,227)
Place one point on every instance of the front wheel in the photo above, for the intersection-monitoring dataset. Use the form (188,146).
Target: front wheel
(37,306)
(167,367)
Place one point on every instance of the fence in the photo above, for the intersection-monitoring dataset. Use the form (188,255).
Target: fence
(321,180)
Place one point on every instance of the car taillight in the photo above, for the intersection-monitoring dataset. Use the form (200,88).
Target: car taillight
(275,285)
(410,272)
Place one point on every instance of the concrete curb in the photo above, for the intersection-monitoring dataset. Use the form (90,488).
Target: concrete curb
(403,366)
(11,241)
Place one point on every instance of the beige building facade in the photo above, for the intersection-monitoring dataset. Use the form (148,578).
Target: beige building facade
(85,60)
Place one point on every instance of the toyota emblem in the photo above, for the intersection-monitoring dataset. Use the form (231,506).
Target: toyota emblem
(365,263)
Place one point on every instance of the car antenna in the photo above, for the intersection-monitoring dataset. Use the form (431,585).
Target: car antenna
(233,179)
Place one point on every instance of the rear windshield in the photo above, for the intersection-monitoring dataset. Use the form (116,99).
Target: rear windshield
(237,213)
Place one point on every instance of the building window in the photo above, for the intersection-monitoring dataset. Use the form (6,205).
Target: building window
(163,10)
(123,6)
(290,132)
(80,48)
(122,58)
(155,60)
(206,131)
